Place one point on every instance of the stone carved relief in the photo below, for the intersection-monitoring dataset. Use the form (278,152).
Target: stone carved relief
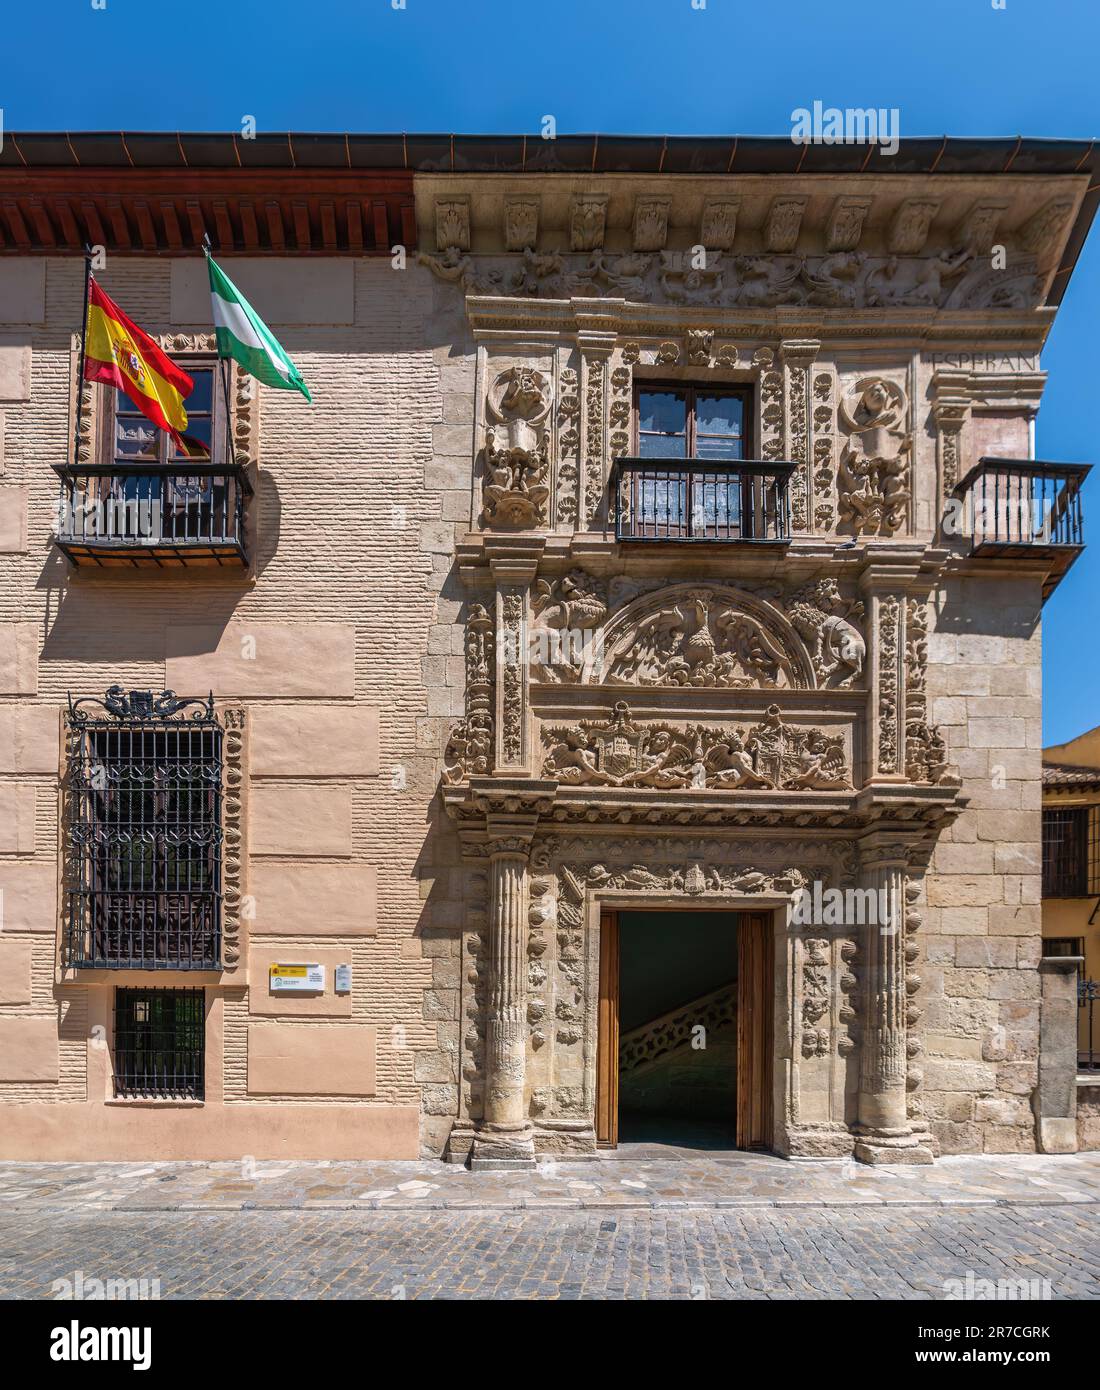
(873,482)
(650,229)
(824,620)
(510,657)
(566,612)
(595,370)
(699,342)
(704,637)
(797,357)
(619,413)
(470,747)
(569,448)
(620,753)
(718,225)
(823,403)
(452,224)
(846,279)
(517,460)
(925,748)
(889,695)
(816,997)
(587,222)
(521,223)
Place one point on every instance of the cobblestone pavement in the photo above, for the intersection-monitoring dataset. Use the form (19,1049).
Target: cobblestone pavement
(677,1253)
(634,1177)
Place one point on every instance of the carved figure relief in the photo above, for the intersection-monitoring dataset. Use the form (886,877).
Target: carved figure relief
(568,611)
(517,461)
(873,480)
(843,278)
(469,750)
(824,620)
(707,636)
(622,753)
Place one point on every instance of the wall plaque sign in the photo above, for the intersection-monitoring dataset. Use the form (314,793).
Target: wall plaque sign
(307,979)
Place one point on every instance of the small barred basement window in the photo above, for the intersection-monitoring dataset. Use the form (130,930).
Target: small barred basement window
(143,833)
(160,1044)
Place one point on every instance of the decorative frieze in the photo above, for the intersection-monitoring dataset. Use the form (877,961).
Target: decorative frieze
(569,449)
(889,683)
(621,753)
(797,357)
(824,447)
(595,434)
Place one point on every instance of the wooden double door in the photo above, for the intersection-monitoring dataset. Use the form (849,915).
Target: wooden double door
(755,987)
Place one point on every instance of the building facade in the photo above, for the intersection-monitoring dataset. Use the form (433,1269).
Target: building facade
(633,653)
(1071,894)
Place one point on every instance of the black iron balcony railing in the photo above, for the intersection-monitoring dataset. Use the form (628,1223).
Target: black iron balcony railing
(160,515)
(662,499)
(1011,507)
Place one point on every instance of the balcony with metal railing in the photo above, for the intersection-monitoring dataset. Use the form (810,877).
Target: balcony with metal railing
(696,500)
(152,515)
(1015,508)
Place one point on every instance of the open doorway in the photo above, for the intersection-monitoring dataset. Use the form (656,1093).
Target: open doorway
(685,1029)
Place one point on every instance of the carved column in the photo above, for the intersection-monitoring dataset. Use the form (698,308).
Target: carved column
(885,1135)
(504,1139)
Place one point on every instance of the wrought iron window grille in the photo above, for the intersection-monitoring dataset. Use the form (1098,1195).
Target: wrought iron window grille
(143,832)
(160,1044)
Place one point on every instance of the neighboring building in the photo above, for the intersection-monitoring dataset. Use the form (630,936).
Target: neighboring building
(1071,900)
(614,603)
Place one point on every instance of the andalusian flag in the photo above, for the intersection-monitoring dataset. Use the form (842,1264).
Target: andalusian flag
(117,352)
(243,336)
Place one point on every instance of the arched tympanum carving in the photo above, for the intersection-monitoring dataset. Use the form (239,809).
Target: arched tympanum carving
(709,635)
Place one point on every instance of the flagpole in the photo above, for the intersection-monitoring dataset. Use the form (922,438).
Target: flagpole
(224,369)
(83,351)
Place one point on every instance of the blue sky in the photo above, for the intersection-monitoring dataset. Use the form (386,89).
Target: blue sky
(958,67)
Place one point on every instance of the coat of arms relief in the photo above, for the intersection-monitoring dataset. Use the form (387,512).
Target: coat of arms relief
(772,755)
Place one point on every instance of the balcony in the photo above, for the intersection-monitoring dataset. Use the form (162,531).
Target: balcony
(159,516)
(668,499)
(1017,508)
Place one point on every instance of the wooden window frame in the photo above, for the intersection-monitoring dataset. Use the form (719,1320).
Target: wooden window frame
(106,453)
(692,390)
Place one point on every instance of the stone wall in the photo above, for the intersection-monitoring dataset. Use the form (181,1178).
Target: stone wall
(340,645)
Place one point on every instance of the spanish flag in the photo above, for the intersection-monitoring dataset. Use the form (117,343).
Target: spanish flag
(117,352)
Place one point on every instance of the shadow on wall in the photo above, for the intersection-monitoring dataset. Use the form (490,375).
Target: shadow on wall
(92,615)
(1010,608)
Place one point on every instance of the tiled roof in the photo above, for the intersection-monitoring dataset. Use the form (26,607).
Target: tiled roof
(1069,775)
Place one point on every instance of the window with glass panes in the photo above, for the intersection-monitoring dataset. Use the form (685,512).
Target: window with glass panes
(692,422)
(684,422)
(167,502)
